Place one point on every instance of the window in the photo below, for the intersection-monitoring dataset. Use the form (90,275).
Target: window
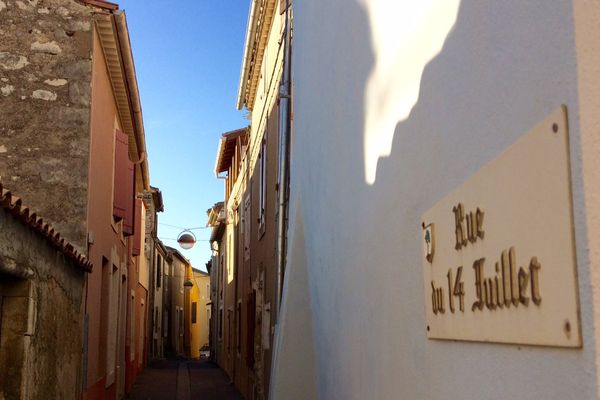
(180,315)
(132,326)
(229,315)
(158,270)
(156,319)
(105,291)
(239,327)
(250,328)
(221,323)
(194,310)
(230,258)
(123,194)
(165,323)
(246,218)
(221,274)
(262,193)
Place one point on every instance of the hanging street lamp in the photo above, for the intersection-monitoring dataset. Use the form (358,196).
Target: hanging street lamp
(186,239)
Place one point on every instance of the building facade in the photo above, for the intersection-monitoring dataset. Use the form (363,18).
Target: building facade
(177,302)
(155,254)
(245,269)
(197,311)
(396,107)
(216,220)
(74,144)
(42,301)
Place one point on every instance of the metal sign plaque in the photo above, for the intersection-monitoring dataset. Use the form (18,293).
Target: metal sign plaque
(498,252)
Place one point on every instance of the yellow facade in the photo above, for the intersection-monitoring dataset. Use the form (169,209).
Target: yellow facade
(197,309)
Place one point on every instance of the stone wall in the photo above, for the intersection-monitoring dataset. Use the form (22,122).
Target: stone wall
(41,317)
(45,76)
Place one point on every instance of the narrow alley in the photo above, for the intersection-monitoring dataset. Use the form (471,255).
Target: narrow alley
(182,380)
(299,200)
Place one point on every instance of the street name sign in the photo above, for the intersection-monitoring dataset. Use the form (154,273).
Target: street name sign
(499,253)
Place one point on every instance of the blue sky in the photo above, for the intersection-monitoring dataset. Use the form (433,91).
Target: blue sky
(188,57)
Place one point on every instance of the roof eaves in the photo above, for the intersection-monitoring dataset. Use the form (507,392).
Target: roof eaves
(107,5)
(222,163)
(257,33)
(177,254)
(114,39)
(219,156)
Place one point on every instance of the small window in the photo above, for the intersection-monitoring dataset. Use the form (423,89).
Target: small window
(194,310)
(229,316)
(246,218)
(158,270)
(221,324)
(180,313)
(239,327)
(262,199)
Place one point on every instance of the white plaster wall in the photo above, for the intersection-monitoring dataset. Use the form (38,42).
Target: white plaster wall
(504,67)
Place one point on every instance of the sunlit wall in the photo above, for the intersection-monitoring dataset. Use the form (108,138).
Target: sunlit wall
(405,36)
(395,105)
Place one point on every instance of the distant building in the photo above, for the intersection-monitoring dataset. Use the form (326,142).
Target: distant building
(197,311)
(256,215)
(177,301)
(247,240)
(216,220)
(155,254)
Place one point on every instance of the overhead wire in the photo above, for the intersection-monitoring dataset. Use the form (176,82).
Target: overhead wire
(184,228)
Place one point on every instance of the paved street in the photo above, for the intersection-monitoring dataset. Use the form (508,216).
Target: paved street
(183,380)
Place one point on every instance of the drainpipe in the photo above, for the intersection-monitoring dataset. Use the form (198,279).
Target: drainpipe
(132,89)
(285,97)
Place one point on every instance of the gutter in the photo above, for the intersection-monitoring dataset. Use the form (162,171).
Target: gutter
(134,95)
(218,160)
(250,31)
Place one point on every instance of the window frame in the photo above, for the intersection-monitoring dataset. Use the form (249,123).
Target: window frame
(262,193)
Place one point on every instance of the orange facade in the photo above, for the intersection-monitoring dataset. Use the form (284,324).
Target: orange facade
(116,304)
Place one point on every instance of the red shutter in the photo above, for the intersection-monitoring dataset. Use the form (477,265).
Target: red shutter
(121,158)
(137,234)
(123,200)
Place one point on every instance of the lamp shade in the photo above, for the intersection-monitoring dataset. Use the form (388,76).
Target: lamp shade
(186,240)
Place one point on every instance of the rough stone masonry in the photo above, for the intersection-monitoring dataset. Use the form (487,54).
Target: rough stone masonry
(45,79)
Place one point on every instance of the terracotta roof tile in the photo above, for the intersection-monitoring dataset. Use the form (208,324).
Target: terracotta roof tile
(14,206)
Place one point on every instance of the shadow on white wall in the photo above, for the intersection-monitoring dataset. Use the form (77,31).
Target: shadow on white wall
(405,35)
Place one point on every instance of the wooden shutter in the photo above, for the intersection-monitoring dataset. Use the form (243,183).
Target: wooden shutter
(250,330)
(121,158)
(123,200)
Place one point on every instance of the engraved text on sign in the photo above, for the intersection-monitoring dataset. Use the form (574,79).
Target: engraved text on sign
(500,264)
